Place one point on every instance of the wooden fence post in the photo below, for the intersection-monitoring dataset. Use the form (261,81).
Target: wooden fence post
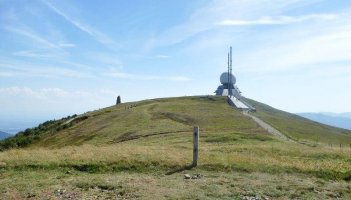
(196,145)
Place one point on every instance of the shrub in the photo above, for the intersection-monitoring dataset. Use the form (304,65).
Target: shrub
(28,136)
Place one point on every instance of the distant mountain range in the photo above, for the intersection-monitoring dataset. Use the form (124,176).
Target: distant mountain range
(4,135)
(13,126)
(341,120)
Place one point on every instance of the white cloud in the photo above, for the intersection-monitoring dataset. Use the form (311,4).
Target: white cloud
(328,46)
(108,92)
(145,77)
(306,40)
(43,93)
(207,18)
(176,78)
(97,35)
(109,60)
(31,35)
(276,20)
(67,45)
(14,68)
(52,94)
(6,74)
(162,56)
(39,54)
(41,46)
(51,102)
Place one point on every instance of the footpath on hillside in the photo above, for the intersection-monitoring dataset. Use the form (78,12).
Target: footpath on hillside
(266,126)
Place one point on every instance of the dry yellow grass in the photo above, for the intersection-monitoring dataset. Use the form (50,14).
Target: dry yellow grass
(145,154)
(136,169)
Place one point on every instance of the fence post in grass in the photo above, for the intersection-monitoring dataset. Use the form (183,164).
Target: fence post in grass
(196,145)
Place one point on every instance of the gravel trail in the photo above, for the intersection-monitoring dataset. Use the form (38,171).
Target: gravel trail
(266,126)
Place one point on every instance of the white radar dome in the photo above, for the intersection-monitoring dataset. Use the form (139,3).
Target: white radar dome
(224,78)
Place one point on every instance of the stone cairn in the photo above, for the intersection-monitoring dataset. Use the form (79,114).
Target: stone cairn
(118,100)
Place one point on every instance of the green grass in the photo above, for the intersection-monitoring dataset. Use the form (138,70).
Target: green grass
(116,123)
(301,129)
(248,165)
(126,153)
(169,116)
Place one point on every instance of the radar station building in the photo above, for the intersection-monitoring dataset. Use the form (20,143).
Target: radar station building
(228,83)
(229,89)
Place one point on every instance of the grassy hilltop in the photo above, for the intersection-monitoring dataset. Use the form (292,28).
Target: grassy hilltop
(302,129)
(125,151)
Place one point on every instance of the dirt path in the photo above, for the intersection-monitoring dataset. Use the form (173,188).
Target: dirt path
(266,126)
(129,136)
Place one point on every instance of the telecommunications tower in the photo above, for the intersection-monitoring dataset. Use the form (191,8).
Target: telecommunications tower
(228,87)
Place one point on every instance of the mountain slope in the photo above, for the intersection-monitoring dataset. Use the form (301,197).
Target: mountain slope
(4,135)
(171,116)
(160,116)
(341,122)
(143,153)
(299,128)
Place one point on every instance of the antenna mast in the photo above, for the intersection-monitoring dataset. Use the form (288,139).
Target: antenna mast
(230,71)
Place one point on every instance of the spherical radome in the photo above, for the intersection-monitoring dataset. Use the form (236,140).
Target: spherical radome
(224,78)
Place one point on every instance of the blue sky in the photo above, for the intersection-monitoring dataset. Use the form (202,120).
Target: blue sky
(67,56)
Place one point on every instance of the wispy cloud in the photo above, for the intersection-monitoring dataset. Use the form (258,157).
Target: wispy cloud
(52,93)
(42,93)
(24,31)
(276,20)
(45,73)
(57,101)
(6,74)
(41,47)
(97,35)
(330,46)
(67,45)
(145,77)
(108,60)
(14,68)
(38,54)
(216,13)
(162,56)
(305,41)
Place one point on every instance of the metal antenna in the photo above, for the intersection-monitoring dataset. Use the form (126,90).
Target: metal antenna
(230,71)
